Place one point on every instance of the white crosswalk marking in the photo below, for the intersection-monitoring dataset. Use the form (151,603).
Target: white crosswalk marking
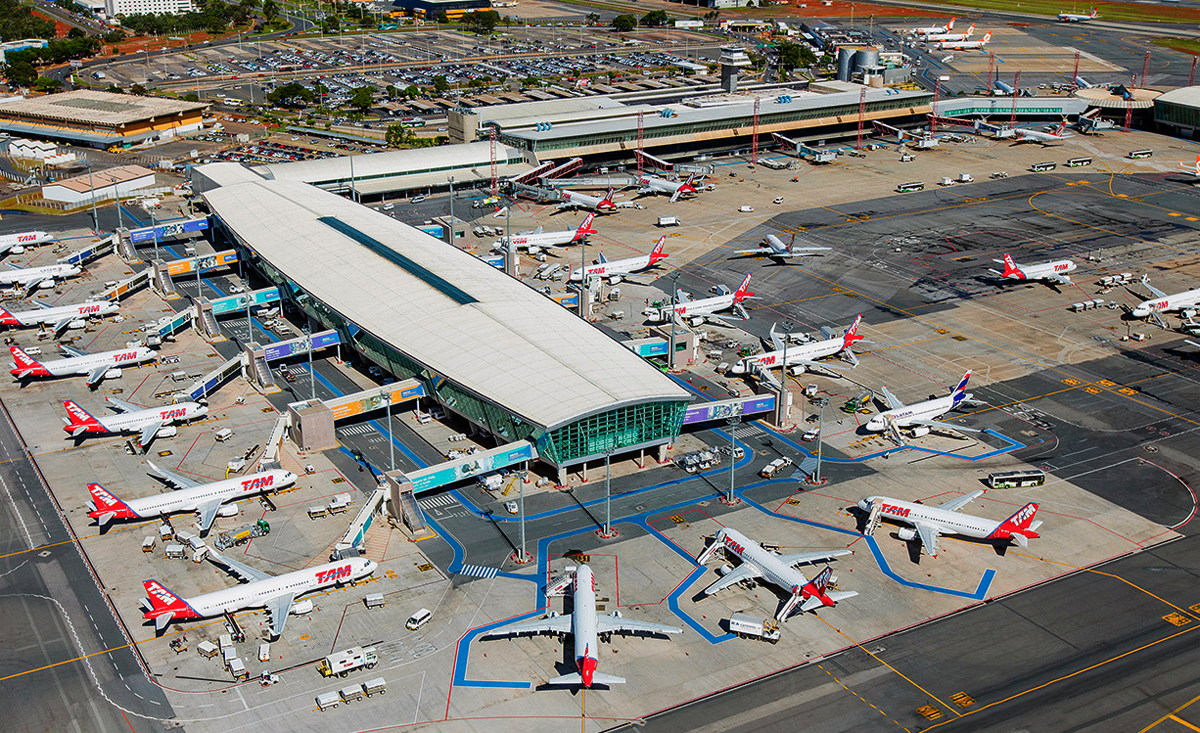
(478,571)
(439,500)
(361,429)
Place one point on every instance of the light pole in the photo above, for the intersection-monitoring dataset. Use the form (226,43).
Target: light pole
(391,440)
(92,186)
(671,348)
(153,231)
(451,182)
(732,422)
(607,532)
(312,376)
(583,279)
(784,395)
(816,477)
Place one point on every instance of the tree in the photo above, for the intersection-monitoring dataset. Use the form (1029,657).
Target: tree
(138,90)
(190,97)
(624,23)
(441,17)
(21,71)
(114,89)
(593,18)
(530,81)
(362,97)
(794,55)
(391,91)
(46,84)
(270,10)
(483,21)
(440,84)
(292,94)
(655,18)
(398,135)
(412,91)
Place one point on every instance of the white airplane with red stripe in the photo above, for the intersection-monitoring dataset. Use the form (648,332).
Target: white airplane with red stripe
(1164,303)
(778,570)
(929,522)
(146,422)
(585,626)
(206,499)
(932,29)
(1051,272)
(275,593)
(655,185)
(61,317)
(95,366)
(695,311)
(615,270)
(599,204)
(1077,18)
(1058,134)
(803,356)
(16,243)
(538,240)
(964,45)
(944,37)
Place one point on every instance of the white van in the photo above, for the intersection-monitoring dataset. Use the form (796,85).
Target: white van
(389,206)
(418,619)
(223,435)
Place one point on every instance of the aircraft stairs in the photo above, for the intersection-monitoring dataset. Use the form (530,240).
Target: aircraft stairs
(162,281)
(411,512)
(262,371)
(873,519)
(208,323)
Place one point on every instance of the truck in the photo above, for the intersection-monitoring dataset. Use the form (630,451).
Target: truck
(753,627)
(668,221)
(775,467)
(344,662)
(242,535)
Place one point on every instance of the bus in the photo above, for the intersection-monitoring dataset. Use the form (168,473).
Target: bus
(914,186)
(1076,162)
(1047,166)
(1016,479)
(1139,154)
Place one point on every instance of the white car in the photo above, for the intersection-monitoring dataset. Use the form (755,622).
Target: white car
(779,200)
(746,209)
(511,507)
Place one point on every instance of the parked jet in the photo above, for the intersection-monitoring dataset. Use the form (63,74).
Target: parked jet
(96,366)
(538,240)
(965,45)
(950,37)
(1073,18)
(1163,303)
(1050,272)
(695,311)
(146,422)
(1058,134)
(921,413)
(655,185)
(16,243)
(32,278)
(803,356)
(599,204)
(585,627)
(774,248)
(207,500)
(929,522)
(59,317)
(928,30)
(275,593)
(778,570)
(614,271)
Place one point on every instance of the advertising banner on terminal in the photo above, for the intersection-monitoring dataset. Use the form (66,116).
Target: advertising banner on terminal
(189,265)
(170,229)
(404,392)
(506,455)
(235,303)
(724,409)
(292,347)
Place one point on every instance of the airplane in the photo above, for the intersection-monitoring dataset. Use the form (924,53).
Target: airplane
(576,200)
(539,240)
(965,45)
(146,422)
(1054,273)
(60,317)
(1189,169)
(944,37)
(615,270)
(206,499)
(927,30)
(32,278)
(16,243)
(275,593)
(585,627)
(803,356)
(1059,133)
(921,413)
(1163,303)
(774,248)
(778,570)
(695,311)
(928,522)
(655,185)
(1073,18)
(97,367)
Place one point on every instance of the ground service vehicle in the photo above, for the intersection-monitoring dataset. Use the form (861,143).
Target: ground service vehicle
(242,535)
(327,700)
(1016,479)
(343,663)
(747,627)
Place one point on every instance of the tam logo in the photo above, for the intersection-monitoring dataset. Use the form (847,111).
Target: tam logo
(1161,304)
(125,356)
(163,595)
(172,414)
(333,574)
(261,482)
(27,238)
(1060,267)
(767,359)
(89,309)
(1025,513)
(895,511)
(734,546)
(103,496)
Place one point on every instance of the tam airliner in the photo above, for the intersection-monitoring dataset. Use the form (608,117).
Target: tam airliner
(146,422)
(695,311)
(60,317)
(803,356)
(97,367)
(615,270)
(929,522)
(1051,272)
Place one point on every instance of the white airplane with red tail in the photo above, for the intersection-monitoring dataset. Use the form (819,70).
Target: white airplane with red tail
(655,185)
(778,570)
(97,367)
(61,317)
(16,243)
(537,240)
(615,270)
(149,423)
(964,45)
(803,356)
(206,499)
(696,311)
(275,593)
(927,523)
(585,627)
(933,29)
(1058,134)
(599,204)
(1190,169)
(1051,272)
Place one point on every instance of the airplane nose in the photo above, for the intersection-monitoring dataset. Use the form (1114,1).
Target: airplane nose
(864,504)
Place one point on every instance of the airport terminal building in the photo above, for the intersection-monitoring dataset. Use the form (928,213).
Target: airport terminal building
(489,348)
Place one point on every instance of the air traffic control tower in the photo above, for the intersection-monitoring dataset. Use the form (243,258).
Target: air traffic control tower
(733,58)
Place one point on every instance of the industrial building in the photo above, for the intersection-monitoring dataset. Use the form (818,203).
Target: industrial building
(427,9)
(100,119)
(494,351)
(1178,111)
(101,185)
(10,46)
(115,8)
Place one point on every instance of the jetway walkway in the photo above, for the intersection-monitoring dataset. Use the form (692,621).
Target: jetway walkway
(270,455)
(357,531)
(651,161)
(92,252)
(530,176)
(559,171)
(814,155)
(722,409)
(210,382)
(126,287)
(375,398)
(613,180)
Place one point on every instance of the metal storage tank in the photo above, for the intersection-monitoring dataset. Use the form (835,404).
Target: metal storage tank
(866,58)
(845,62)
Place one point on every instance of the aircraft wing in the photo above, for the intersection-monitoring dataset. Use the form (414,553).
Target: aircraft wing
(245,572)
(62,324)
(32,284)
(1157,293)
(174,479)
(97,375)
(939,425)
(610,623)
(804,252)
(955,504)
(548,625)
(675,196)
(40,304)
(929,536)
(810,365)
(806,557)
(1058,279)
(745,571)
(148,434)
(72,351)
(122,406)
(892,400)
(777,341)
(208,512)
(764,251)
(278,608)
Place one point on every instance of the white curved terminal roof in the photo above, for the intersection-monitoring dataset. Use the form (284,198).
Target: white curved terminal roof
(444,308)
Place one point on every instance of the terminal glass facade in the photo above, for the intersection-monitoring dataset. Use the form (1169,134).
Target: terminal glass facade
(1177,114)
(612,432)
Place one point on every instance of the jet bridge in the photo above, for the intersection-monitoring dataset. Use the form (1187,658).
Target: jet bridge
(92,252)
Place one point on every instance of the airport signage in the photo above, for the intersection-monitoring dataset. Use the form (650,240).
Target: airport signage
(724,409)
(170,229)
(201,262)
(234,303)
(476,465)
(284,349)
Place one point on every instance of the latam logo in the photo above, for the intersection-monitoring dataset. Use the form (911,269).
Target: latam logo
(261,482)
(734,546)
(895,511)
(125,356)
(164,596)
(333,574)
(172,414)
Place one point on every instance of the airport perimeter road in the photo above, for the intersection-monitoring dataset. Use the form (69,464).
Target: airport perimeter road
(56,633)
(1112,649)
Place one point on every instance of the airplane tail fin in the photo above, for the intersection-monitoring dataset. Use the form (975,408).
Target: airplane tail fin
(987,37)
(1010,267)
(105,505)
(1020,526)
(971,30)
(26,363)
(960,391)
(742,293)
(585,227)
(1094,13)
(80,419)
(656,254)
(852,333)
(159,598)
(607,200)
(8,319)
(950,25)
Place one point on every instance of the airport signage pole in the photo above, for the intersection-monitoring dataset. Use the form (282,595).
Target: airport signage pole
(784,393)
(451,182)
(92,186)
(671,348)
(583,278)
(522,557)
(732,422)
(391,439)
(820,438)
(607,532)
(154,231)
(312,376)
